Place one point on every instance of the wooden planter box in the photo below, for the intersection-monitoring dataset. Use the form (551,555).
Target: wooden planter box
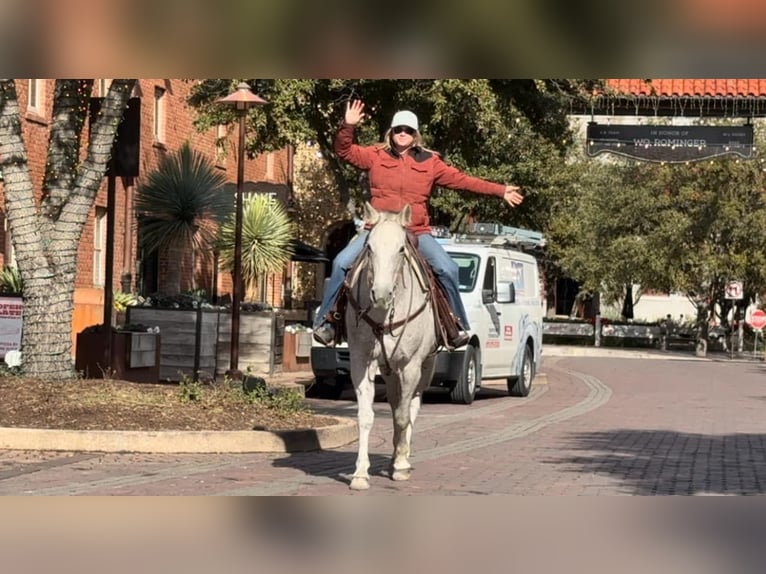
(261,342)
(134,356)
(184,331)
(199,340)
(297,352)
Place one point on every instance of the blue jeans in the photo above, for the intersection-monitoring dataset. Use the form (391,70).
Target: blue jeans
(442,265)
(340,266)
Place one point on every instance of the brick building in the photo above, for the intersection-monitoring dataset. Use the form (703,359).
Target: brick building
(166,123)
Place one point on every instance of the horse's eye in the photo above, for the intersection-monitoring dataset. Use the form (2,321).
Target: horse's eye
(401,249)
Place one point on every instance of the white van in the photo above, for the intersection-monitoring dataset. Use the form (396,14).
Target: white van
(501,288)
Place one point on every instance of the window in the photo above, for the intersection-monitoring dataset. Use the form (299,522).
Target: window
(489,279)
(102,87)
(159,115)
(99,247)
(35,97)
(467,270)
(220,144)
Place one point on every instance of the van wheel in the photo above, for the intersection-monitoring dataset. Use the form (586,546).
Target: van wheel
(521,385)
(465,388)
(328,387)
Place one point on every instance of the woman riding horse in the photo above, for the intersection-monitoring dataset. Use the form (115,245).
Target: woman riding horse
(402,172)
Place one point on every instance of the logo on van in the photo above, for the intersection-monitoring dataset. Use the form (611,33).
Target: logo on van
(509,332)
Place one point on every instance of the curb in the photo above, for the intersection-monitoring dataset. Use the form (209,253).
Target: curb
(186,442)
(550,351)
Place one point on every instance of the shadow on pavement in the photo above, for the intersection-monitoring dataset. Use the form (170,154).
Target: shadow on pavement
(336,465)
(670,463)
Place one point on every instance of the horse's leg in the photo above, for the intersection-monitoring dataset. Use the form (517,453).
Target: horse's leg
(363,376)
(394,397)
(426,376)
(409,378)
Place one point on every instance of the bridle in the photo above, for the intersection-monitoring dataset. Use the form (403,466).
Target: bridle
(387,326)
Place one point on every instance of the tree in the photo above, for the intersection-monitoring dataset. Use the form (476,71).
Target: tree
(46,225)
(603,236)
(673,228)
(180,206)
(266,240)
(720,230)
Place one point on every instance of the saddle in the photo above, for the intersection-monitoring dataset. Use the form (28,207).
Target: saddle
(446,325)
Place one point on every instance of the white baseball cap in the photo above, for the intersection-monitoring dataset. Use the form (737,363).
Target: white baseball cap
(405,118)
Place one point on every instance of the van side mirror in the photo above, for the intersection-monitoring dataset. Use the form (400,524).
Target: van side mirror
(506,293)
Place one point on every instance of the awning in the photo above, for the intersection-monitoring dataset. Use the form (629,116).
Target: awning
(306,253)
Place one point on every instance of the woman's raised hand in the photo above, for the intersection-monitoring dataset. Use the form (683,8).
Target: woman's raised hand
(512,195)
(354,112)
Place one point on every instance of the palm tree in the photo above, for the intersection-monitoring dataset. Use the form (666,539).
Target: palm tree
(267,235)
(181,204)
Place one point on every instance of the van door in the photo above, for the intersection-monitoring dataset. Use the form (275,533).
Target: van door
(510,272)
(492,352)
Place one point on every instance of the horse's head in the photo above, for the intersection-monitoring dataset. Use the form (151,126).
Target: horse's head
(386,252)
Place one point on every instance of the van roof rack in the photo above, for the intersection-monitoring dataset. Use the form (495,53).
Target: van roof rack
(503,236)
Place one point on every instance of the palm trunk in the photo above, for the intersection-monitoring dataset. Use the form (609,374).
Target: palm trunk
(174,270)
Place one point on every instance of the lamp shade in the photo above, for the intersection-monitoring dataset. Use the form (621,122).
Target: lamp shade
(242,98)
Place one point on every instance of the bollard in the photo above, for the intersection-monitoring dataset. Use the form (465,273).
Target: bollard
(597,331)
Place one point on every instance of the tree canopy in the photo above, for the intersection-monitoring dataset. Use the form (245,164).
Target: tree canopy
(509,131)
(669,228)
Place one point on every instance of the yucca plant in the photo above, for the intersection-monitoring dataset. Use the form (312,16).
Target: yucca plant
(121,300)
(10,280)
(267,235)
(181,205)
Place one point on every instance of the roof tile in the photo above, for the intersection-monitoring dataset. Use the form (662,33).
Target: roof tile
(691,87)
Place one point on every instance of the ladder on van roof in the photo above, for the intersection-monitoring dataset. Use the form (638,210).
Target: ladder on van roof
(506,236)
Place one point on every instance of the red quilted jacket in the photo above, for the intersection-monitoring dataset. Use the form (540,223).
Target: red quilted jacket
(396,181)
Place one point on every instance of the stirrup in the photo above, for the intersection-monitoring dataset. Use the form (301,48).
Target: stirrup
(460,340)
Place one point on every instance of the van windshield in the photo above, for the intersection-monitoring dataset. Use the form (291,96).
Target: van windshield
(467,270)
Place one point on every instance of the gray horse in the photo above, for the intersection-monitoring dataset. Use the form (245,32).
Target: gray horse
(390,328)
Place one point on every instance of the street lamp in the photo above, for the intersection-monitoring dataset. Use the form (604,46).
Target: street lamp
(242,99)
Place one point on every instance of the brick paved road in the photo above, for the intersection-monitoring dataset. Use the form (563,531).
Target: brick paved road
(610,426)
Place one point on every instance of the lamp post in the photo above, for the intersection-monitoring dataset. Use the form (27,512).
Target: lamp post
(242,99)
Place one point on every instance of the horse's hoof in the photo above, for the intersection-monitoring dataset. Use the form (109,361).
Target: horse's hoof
(403,474)
(359,483)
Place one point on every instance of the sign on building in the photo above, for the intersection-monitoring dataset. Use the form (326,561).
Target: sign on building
(673,144)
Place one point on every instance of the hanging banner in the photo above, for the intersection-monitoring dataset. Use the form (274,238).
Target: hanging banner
(673,144)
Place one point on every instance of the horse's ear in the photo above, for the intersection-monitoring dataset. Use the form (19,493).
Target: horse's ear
(405,215)
(371,215)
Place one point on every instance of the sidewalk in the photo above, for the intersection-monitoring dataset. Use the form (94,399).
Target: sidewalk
(639,353)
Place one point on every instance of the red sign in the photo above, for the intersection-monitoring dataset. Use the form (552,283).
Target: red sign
(758,319)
